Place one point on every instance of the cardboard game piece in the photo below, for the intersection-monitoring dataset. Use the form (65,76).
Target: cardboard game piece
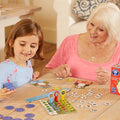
(44,95)
(56,96)
(51,98)
(82,84)
(9,85)
(40,83)
(61,106)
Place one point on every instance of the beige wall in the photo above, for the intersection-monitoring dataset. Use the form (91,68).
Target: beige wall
(46,17)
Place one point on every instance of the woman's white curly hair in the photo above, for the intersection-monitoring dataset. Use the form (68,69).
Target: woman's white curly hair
(109,15)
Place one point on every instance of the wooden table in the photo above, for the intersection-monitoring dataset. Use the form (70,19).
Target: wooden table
(104,112)
(9,15)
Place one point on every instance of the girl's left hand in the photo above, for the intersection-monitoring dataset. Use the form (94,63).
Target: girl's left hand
(103,76)
(36,75)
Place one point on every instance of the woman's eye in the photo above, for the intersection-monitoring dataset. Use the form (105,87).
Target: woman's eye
(101,29)
(91,24)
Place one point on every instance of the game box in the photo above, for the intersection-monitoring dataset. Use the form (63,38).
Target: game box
(115,80)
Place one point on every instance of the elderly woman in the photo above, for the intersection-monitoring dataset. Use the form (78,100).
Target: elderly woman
(91,55)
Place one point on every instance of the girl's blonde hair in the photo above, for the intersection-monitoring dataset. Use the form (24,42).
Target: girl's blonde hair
(109,15)
(23,28)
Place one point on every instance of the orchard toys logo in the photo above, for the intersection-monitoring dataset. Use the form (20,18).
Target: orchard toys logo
(115,72)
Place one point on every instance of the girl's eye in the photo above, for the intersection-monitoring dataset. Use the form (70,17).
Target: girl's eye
(22,44)
(32,46)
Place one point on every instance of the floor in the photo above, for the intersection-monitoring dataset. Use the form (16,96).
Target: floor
(49,50)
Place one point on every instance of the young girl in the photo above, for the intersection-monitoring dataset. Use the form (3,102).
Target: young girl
(24,42)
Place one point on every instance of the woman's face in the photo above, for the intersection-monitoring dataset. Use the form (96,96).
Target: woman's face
(97,31)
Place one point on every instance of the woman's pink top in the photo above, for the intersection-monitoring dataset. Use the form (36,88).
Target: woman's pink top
(67,53)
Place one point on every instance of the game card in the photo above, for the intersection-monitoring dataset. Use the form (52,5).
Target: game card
(40,83)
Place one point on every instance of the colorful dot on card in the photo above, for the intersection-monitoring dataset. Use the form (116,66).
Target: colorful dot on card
(82,101)
(30,105)
(87,106)
(91,102)
(7,118)
(74,101)
(50,110)
(28,119)
(9,107)
(79,106)
(107,103)
(56,88)
(29,115)
(94,104)
(93,110)
(19,109)
(17,119)
(59,78)
(1,116)
(10,86)
(70,79)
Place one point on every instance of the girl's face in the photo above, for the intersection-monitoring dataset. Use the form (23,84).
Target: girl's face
(25,47)
(97,32)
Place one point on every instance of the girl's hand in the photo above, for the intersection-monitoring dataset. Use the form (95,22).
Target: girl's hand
(103,76)
(5,93)
(36,75)
(62,71)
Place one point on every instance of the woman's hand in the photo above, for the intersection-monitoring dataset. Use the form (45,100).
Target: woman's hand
(103,76)
(5,93)
(62,71)
(36,75)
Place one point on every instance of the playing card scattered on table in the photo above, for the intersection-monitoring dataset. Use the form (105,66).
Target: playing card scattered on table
(40,83)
